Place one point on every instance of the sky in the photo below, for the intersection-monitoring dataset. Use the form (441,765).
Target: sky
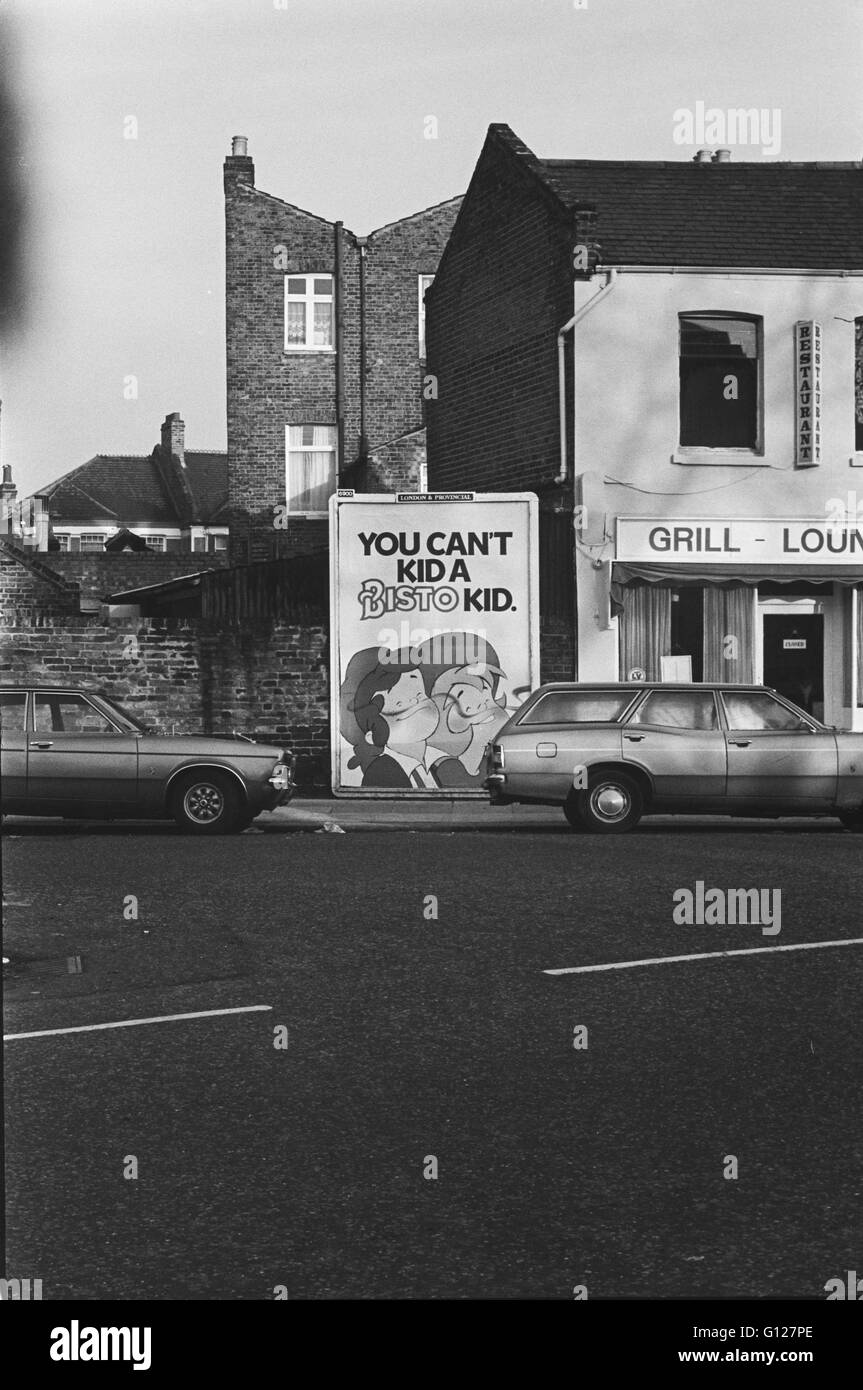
(128,107)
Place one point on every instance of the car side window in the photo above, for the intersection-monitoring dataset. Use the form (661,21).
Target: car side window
(13,710)
(751,711)
(578,707)
(69,714)
(678,709)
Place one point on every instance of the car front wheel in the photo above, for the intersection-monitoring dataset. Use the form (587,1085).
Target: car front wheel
(610,805)
(207,803)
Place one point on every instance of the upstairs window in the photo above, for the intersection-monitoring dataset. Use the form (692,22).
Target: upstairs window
(94,540)
(155,543)
(424,282)
(311,468)
(720,361)
(308,313)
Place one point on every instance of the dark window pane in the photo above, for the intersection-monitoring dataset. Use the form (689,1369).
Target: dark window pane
(718,383)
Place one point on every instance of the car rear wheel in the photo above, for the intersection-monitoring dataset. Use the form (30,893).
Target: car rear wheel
(207,803)
(611,804)
(853,820)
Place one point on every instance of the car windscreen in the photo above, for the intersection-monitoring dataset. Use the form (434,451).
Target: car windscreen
(578,707)
(121,716)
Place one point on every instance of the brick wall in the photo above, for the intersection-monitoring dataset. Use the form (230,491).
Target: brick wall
(269,388)
(194,676)
(503,290)
(109,574)
(26,594)
(265,677)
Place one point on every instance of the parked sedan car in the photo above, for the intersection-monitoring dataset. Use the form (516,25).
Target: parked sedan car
(610,753)
(70,751)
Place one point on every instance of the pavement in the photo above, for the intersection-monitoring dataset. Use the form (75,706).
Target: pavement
(404,813)
(463,814)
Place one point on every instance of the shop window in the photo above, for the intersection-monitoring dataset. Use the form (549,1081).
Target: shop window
(308,313)
(858,385)
(720,360)
(687,628)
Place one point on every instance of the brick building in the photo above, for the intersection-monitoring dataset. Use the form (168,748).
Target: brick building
(325,359)
(642,344)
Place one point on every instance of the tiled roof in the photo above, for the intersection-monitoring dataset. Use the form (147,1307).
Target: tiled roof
(738,214)
(126,490)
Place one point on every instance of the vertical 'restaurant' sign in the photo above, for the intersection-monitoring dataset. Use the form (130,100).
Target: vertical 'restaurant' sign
(434,635)
(807,341)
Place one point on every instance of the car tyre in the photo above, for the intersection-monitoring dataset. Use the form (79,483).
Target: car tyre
(853,820)
(207,803)
(611,804)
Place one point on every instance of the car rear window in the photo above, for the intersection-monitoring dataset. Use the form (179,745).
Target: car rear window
(578,707)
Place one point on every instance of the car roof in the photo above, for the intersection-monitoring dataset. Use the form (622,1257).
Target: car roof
(71,687)
(650,685)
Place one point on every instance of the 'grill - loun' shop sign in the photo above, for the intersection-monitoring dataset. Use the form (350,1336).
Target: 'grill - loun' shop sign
(740,542)
(434,636)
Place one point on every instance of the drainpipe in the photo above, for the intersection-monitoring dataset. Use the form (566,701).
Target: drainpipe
(340,350)
(611,277)
(361,243)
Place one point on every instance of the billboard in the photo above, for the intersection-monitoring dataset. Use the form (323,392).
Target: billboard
(434,636)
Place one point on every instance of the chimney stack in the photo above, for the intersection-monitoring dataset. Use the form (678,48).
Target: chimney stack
(239,167)
(174,437)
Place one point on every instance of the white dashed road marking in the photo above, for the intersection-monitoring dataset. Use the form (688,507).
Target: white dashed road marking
(137,1022)
(705,955)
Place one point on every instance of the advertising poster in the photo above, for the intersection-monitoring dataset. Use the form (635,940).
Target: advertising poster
(434,633)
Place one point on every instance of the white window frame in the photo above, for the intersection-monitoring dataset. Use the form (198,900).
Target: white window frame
(62,538)
(423,283)
(311,449)
(158,549)
(100,536)
(310,298)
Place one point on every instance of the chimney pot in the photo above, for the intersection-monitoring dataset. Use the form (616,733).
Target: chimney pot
(239,145)
(722,157)
(702,157)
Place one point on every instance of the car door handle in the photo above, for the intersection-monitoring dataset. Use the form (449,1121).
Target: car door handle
(740,742)
(634,738)
(41,745)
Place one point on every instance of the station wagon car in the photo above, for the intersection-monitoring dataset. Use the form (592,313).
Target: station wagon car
(610,753)
(73,752)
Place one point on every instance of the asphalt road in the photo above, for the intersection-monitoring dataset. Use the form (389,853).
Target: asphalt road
(411,1037)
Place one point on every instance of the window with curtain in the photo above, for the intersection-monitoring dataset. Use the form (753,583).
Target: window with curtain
(308,312)
(311,467)
(719,381)
(645,630)
(729,629)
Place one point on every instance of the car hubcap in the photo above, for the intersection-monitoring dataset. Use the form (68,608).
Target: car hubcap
(609,803)
(203,802)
